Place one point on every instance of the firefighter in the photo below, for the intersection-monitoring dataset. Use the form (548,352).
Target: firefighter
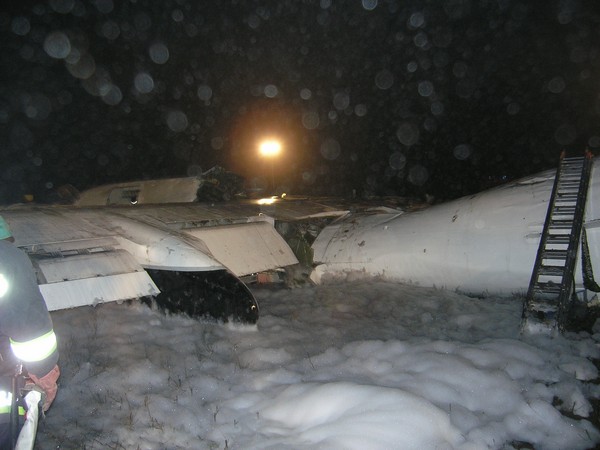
(26,333)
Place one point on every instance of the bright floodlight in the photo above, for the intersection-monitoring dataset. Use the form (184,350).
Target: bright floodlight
(270,148)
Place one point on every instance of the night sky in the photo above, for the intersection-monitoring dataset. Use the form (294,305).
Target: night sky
(376,97)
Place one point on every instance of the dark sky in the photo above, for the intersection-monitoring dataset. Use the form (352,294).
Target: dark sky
(386,97)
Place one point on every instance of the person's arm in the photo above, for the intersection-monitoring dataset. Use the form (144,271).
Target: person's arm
(24,318)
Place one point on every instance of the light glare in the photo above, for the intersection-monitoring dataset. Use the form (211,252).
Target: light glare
(267,201)
(270,148)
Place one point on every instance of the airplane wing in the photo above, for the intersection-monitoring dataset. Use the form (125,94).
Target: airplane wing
(86,256)
(78,263)
(131,240)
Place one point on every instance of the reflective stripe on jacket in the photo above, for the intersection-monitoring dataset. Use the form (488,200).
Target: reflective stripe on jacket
(24,317)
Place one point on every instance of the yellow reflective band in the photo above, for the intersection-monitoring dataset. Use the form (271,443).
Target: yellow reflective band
(36,349)
(3,285)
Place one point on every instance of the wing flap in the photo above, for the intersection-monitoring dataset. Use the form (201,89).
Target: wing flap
(246,248)
(89,279)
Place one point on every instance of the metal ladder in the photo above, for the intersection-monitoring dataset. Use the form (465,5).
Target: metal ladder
(548,297)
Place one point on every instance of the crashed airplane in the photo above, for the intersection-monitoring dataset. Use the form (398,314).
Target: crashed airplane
(152,239)
(155,239)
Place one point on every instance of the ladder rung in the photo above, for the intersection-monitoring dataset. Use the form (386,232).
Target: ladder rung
(565,206)
(566,216)
(558,239)
(557,271)
(542,306)
(555,254)
(568,190)
(547,288)
(561,224)
(567,195)
(570,165)
(564,209)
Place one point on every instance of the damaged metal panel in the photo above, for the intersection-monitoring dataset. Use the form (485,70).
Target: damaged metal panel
(52,270)
(99,254)
(92,291)
(172,190)
(246,248)
(89,279)
(180,216)
(57,226)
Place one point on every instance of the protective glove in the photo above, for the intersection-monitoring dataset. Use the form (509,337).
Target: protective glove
(48,385)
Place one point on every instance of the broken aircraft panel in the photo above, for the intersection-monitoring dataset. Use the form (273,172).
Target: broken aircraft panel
(154,239)
(87,256)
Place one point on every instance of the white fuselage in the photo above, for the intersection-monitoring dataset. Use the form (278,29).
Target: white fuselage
(483,243)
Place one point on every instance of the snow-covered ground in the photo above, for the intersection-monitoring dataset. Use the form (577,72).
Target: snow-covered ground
(363,365)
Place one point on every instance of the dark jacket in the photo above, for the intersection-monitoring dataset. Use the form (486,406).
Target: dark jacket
(24,317)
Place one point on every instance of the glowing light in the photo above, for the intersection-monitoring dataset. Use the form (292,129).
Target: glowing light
(270,148)
(267,201)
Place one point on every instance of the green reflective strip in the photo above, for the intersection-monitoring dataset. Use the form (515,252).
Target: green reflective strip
(36,349)
(6,410)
